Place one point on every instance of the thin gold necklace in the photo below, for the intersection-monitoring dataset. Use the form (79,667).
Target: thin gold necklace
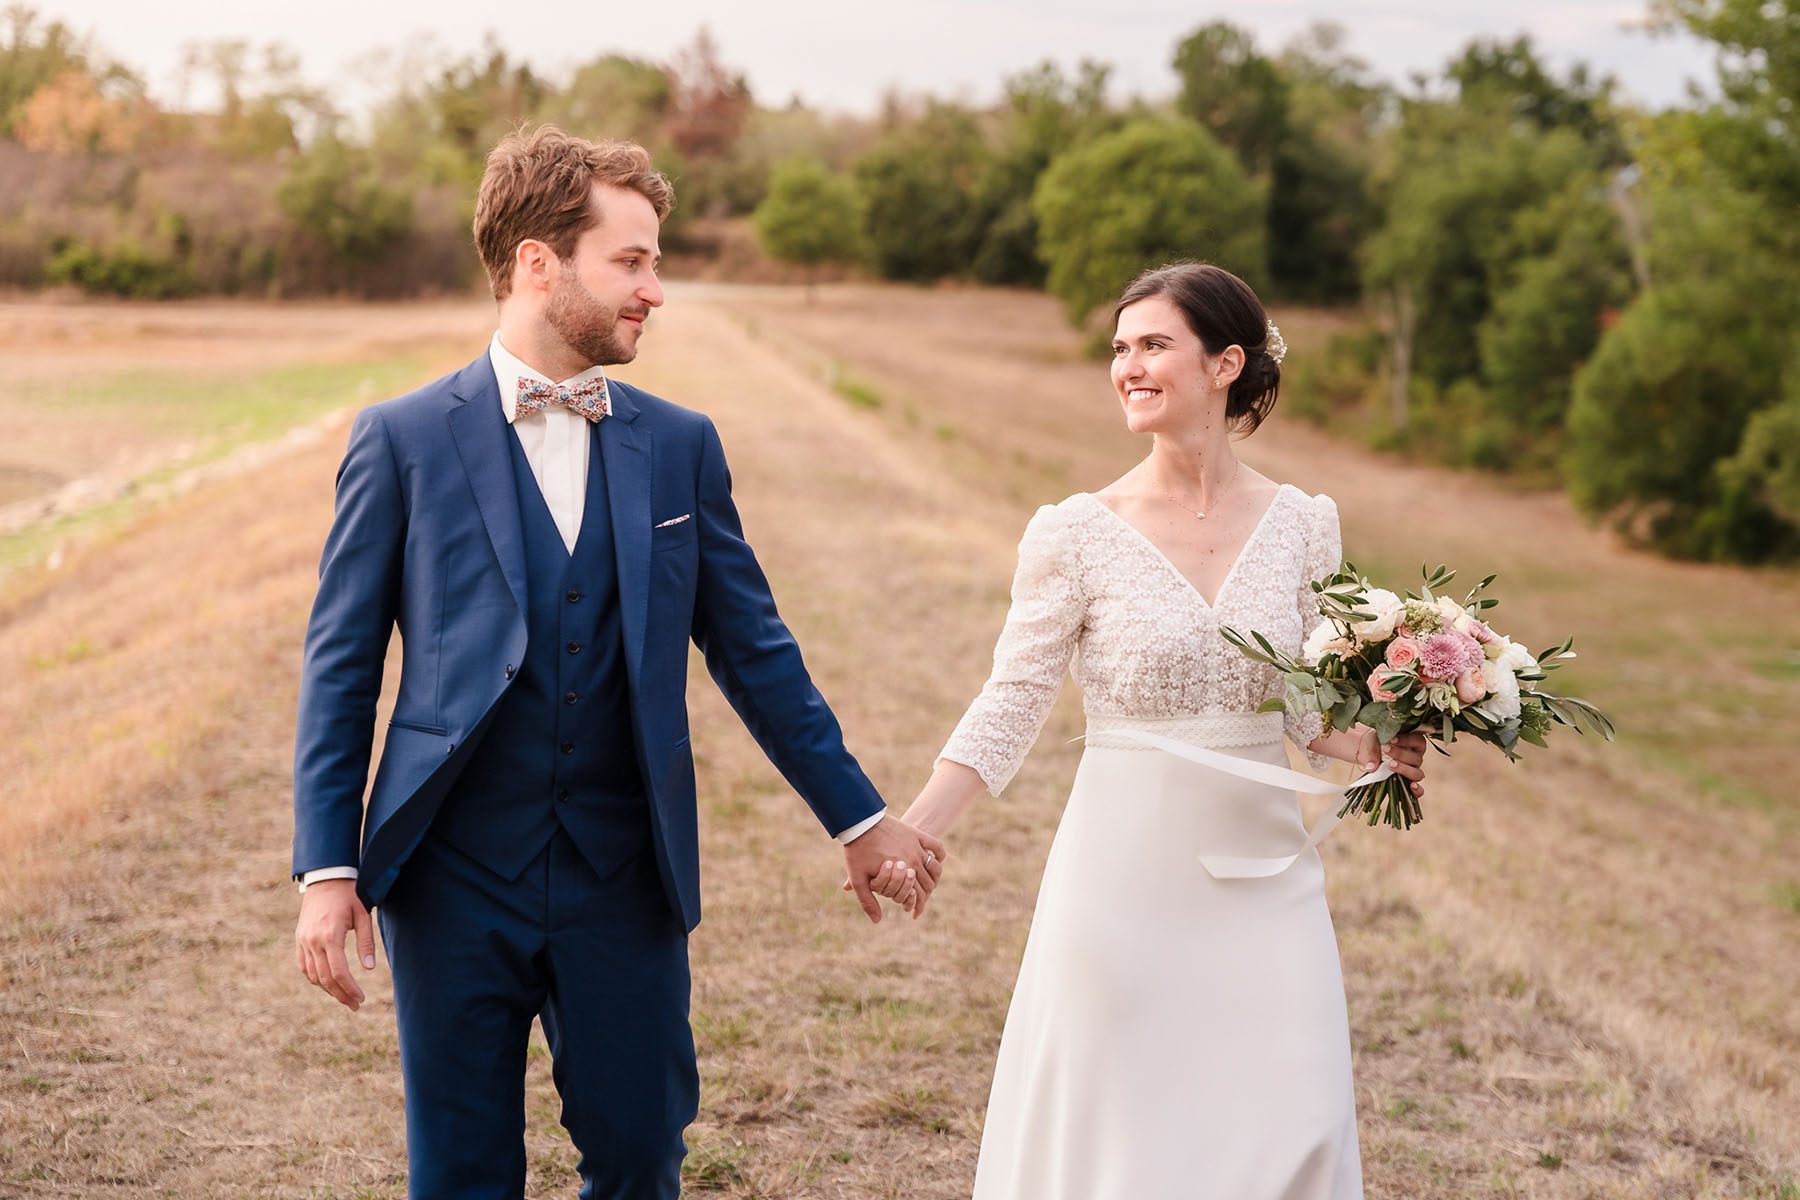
(1170,496)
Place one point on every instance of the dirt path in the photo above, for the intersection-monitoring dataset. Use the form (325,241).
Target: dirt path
(1572,984)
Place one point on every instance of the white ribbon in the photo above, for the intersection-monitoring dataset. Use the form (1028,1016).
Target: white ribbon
(1226,866)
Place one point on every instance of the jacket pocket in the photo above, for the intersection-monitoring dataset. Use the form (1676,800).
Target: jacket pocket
(416,727)
(670,536)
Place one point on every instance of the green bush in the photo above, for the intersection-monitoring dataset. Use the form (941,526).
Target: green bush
(1767,464)
(333,192)
(1547,309)
(1343,378)
(1155,191)
(1663,403)
(915,186)
(809,216)
(121,269)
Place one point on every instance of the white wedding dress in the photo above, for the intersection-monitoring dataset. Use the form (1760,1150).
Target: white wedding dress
(1172,1034)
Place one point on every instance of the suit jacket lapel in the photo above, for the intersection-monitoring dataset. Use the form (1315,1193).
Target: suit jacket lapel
(479,429)
(625,450)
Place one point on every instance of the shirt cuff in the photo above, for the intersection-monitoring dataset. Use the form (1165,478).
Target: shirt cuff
(861,827)
(320,874)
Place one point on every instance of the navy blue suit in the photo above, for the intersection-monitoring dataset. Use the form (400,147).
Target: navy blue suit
(530,837)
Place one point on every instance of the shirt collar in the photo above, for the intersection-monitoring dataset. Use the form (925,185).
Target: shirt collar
(508,370)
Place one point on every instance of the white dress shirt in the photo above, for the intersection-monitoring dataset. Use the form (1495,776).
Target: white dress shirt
(555,441)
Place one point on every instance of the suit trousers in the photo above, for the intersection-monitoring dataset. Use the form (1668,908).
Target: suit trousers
(601,960)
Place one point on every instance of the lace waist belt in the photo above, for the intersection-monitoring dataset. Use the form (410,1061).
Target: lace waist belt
(1199,738)
(1221,730)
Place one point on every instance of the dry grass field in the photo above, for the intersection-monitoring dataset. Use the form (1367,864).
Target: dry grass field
(1577,979)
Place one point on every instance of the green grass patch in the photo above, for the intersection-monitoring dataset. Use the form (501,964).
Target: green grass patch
(720,1032)
(712,1167)
(859,394)
(237,408)
(63,656)
(217,414)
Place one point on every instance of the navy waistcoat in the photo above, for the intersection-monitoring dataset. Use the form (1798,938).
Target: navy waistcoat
(558,750)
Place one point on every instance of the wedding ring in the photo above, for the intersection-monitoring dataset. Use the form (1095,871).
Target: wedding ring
(930,857)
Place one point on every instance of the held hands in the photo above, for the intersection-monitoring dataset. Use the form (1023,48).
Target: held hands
(897,861)
(1406,753)
(329,911)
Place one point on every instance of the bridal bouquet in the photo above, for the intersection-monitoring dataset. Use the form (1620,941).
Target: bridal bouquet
(1422,662)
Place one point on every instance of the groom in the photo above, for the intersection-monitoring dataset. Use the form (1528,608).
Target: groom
(547,541)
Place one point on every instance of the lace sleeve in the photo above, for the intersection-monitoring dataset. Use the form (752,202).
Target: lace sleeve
(1324,551)
(1030,658)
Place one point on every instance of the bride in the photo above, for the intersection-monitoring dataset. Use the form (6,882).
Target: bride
(1178,1027)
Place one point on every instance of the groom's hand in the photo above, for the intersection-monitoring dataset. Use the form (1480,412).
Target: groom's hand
(893,841)
(329,911)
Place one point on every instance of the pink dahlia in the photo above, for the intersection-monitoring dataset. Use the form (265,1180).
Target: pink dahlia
(1448,654)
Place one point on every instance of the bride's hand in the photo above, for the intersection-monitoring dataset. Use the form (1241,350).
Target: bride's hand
(899,883)
(1406,753)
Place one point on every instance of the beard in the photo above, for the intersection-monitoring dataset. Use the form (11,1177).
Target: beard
(589,327)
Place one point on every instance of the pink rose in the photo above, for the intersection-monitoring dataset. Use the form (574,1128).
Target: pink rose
(1378,677)
(1470,687)
(1402,652)
(1482,632)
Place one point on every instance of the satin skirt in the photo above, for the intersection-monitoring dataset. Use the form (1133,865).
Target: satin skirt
(1172,1034)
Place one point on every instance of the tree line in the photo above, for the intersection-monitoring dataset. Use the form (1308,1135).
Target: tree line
(1545,279)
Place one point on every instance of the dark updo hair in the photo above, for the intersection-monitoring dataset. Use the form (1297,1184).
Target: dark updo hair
(1222,311)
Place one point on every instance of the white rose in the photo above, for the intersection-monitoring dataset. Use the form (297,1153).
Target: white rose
(1502,702)
(1451,610)
(1386,609)
(1517,659)
(1321,641)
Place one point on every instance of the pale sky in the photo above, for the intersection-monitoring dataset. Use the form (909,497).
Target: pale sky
(842,56)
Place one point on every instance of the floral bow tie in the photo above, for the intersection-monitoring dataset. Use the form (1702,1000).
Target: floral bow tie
(588,399)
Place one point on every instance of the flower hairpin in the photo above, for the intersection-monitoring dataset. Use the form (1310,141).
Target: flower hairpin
(1274,347)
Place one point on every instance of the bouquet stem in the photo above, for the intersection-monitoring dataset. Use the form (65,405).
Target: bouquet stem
(1389,802)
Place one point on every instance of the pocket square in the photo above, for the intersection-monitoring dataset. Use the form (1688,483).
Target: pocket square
(672,521)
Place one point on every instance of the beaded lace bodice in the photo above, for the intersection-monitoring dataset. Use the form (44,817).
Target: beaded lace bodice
(1092,590)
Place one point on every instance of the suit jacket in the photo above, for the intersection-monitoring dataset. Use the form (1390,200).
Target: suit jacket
(427,539)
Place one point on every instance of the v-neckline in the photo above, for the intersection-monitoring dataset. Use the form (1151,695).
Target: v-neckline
(1230,573)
